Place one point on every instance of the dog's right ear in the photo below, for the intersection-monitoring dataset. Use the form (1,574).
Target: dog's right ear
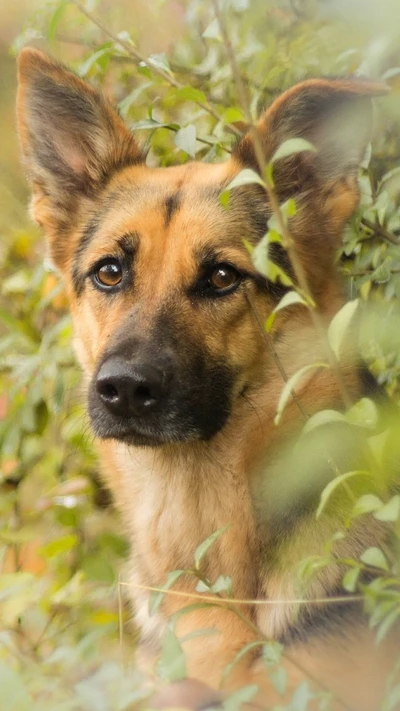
(72,140)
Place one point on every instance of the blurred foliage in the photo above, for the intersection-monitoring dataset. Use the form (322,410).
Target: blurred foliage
(62,614)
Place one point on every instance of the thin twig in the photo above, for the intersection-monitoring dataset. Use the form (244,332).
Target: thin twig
(365,272)
(237,601)
(381,231)
(231,603)
(139,58)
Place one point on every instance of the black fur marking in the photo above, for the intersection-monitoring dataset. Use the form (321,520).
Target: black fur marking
(172,205)
(197,402)
(324,620)
(78,278)
(129,243)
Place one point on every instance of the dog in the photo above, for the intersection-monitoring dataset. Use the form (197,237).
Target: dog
(183,382)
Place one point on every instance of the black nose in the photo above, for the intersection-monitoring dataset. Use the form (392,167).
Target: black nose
(129,389)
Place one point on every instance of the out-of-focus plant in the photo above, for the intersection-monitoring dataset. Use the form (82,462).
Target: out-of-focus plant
(61,609)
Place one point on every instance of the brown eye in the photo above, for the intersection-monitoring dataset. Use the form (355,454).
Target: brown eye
(223,277)
(108,274)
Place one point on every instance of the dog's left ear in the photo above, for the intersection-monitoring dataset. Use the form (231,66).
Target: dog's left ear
(335,116)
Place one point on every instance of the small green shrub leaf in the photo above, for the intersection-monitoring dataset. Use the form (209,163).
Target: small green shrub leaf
(389,511)
(242,652)
(202,549)
(171,664)
(292,146)
(185,139)
(364,414)
(339,325)
(236,700)
(366,504)
(350,579)
(333,485)
(245,177)
(374,557)
(156,597)
(321,418)
(289,299)
(290,387)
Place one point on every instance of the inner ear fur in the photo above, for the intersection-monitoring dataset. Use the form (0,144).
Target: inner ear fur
(72,139)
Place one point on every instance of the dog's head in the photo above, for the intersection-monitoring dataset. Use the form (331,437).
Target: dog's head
(168,308)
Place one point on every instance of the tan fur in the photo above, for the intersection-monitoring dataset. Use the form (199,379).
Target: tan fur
(172,497)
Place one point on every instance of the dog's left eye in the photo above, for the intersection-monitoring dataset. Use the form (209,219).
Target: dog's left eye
(108,274)
(223,278)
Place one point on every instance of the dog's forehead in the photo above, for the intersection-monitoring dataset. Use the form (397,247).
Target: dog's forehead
(166,206)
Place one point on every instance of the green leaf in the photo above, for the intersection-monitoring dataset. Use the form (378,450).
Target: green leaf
(272,653)
(350,579)
(241,653)
(391,74)
(202,549)
(389,511)
(156,597)
(301,696)
(363,414)
(261,261)
(373,556)
(333,485)
(160,61)
(59,545)
(233,115)
(289,208)
(171,664)
(339,325)
(387,624)
(245,177)
(99,568)
(321,418)
(236,700)
(366,504)
(56,19)
(189,93)
(290,386)
(289,299)
(222,584)
(88,64)
(185,139)
(276,274)
(278,678)
(212,31)
(292,146)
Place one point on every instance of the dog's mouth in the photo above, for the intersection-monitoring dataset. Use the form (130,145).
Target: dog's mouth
(146,403)
(139,433)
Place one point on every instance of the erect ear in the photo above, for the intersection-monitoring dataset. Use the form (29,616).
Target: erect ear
(335,116)
(72,139)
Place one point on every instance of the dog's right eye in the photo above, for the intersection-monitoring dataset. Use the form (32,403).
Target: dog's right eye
(108,274)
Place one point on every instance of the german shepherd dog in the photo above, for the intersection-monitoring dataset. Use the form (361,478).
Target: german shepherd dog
(183,384)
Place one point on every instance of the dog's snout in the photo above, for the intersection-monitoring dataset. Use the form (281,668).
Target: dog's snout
(128,389)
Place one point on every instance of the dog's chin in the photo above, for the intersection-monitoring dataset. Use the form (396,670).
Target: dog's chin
(140,435)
